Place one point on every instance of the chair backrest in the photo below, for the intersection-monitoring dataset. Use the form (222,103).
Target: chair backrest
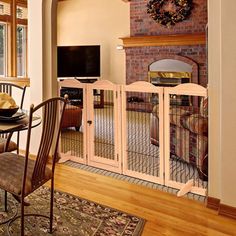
(9,89)
(52,111)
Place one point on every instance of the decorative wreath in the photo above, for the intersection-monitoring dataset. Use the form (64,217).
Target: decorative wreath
(179,11)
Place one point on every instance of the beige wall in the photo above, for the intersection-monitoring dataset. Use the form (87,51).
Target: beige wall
(214,82)
(42,57)
(35,52)
(90,22)
(35,59)
(228,111)
(222,82)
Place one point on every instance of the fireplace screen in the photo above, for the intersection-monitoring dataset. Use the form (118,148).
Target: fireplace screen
(170,79)
(164,78)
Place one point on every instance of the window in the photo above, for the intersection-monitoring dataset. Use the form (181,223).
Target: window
(13,38)
(2,49)
(21,51)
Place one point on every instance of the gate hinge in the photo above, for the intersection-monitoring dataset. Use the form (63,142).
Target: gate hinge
(164,175)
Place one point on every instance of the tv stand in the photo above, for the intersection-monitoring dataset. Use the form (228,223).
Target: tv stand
(75,95)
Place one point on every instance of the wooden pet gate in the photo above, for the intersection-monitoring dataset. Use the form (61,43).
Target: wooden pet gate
(157,134)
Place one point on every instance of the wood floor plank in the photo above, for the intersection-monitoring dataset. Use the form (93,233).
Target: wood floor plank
(165,214)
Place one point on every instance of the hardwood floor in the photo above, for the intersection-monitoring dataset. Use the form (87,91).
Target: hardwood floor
(165,214)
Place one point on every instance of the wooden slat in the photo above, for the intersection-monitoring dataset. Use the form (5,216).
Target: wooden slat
(21,3)
(7,1)
(164,40)
(5,18)
(21,21)
(15,80)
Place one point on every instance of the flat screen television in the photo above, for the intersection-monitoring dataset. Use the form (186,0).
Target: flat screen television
(78,61)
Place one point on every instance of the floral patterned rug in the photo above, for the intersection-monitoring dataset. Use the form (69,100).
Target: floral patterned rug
(72,216)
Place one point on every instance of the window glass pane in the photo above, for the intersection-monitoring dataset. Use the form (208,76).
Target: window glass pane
(2,49)
(21,51)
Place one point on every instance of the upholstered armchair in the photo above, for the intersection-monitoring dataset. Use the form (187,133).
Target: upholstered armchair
(188,136)
(72,117)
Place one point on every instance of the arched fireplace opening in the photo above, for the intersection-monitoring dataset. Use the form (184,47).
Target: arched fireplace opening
(169,72)
(172,72)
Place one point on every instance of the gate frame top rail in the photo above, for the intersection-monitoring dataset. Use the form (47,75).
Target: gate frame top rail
(71,83)
(187,89)
(140,86)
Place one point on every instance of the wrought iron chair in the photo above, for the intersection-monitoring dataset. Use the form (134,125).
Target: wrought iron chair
(20,175)
(10,88)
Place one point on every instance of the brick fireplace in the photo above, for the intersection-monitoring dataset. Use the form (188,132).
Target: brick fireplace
(150,42)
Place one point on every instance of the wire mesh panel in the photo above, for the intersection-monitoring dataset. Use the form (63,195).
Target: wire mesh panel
(72,142)
(104,145)
(142,135)
(103,126)
(187,138)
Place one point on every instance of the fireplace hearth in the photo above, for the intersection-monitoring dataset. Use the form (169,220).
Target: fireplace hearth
(168,79)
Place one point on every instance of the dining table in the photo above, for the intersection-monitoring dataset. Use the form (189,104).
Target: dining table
(9,125)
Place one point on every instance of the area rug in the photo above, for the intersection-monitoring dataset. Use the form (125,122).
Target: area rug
(73,216)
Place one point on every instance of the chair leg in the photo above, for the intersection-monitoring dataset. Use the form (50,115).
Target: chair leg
(17,142)
(5,201)
(22,216)
(51,205)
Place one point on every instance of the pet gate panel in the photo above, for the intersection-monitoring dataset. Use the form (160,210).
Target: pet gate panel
(73,134)
(142,136)
(186,129)
(103,126)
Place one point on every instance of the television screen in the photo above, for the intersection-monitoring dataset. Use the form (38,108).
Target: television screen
(78,61)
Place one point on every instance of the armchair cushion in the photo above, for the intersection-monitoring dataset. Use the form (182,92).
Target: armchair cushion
(72,117)
(195,123)
(188,135)
(176,115)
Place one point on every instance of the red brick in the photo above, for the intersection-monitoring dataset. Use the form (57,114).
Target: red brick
(138,59)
